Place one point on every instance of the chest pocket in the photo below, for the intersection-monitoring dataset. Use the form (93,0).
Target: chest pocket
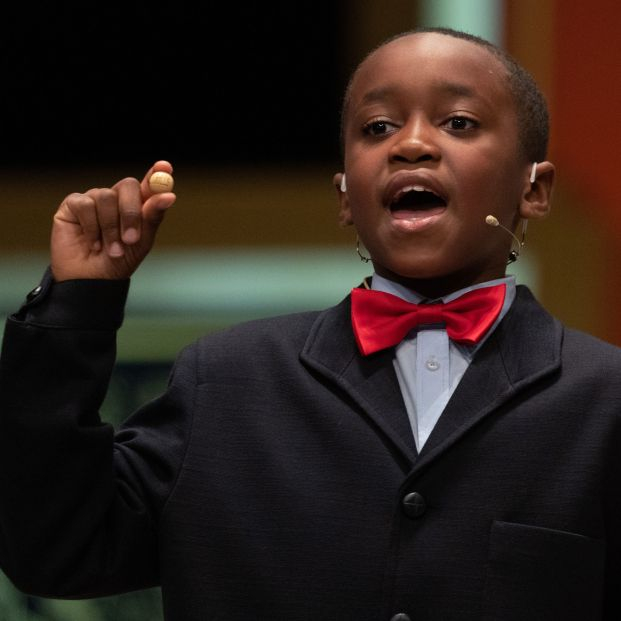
(541,574)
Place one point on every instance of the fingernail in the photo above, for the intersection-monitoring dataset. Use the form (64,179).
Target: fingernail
(130,235)
(115,249)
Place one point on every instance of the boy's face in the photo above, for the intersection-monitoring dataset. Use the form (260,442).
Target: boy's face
(431,149)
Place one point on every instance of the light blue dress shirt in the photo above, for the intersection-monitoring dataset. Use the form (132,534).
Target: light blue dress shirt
(428,364)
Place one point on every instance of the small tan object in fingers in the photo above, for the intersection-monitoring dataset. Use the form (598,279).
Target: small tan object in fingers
(161,181)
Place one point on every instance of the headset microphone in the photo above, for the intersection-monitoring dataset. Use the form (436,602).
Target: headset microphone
(514,254)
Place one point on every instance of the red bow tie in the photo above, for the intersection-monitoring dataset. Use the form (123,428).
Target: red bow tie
(381,320)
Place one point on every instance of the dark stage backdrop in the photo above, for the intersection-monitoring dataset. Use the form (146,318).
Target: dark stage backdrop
(229,83)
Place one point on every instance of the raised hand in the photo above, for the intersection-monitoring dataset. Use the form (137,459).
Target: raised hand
(107,232)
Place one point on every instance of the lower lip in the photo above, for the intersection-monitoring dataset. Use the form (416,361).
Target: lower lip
(415,220)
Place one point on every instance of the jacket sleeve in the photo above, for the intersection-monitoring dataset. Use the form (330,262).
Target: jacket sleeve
(79,502)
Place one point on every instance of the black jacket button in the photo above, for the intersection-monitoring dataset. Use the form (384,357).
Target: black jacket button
(414,505)
(34,293)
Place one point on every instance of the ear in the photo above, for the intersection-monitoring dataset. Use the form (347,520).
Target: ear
(537,195)
(344,214)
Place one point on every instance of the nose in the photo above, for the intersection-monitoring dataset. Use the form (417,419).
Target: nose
(415,142)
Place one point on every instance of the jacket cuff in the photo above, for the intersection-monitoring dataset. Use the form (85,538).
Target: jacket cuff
(77,304)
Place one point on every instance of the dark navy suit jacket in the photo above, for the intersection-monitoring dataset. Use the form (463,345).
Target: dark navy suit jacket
(276,478)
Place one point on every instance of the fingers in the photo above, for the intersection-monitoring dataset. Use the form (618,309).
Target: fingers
(129,208)
(81,210)
(107,232)
(111,212)
(114,220)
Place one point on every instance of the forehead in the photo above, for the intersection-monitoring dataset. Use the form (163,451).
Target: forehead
(428,63)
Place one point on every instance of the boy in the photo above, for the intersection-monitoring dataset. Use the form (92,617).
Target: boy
(312,466)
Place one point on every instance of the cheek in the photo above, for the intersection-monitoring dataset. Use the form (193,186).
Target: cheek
(365,214)
(362,200)
(491,181)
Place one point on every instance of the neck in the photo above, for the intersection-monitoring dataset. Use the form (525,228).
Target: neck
(433,288)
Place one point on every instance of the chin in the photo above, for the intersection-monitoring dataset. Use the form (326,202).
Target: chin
(419,268)
(411,276)
(432,276)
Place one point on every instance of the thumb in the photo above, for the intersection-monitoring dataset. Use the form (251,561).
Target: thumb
(153,211)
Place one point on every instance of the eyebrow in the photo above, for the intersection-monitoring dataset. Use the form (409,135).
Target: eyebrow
(450,88)
(455,88)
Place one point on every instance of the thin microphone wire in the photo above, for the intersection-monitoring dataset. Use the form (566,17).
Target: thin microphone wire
(514,254)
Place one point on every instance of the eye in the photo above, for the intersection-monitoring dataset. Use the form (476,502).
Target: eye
(378,127)
(461,123)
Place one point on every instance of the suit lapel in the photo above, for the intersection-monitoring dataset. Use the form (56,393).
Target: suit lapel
(523,348)
(371,382)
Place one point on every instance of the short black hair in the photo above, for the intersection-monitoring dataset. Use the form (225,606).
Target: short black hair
(530,104)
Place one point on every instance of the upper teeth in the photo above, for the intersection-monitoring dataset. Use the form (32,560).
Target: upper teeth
(412,188)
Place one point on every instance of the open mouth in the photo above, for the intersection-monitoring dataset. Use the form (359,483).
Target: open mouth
(416,200)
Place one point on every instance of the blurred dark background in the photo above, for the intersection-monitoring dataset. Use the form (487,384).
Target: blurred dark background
(230,83)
